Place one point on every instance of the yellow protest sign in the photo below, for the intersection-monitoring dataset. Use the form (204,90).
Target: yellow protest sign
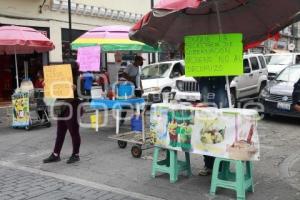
(213,55)
(58,81)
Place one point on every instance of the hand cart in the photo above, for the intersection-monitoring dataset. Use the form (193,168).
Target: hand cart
(141,140)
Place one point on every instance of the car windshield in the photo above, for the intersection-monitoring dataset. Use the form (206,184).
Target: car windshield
(156,71)
(278,59)
(290,74)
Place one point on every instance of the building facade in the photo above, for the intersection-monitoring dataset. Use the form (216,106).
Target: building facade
(51,18)
(289,40)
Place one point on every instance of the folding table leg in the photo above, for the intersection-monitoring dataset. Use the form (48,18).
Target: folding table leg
(97,120)
(117,121)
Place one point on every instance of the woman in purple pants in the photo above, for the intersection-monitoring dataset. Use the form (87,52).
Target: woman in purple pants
(70,113)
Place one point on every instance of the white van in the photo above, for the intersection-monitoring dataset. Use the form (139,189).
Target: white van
(276,62)
(160,77)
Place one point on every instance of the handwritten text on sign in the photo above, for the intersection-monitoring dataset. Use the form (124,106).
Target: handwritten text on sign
(88,58)
(213,55)
(58,81)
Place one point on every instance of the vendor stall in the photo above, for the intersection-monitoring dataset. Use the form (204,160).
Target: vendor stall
(26,103)
(226,133)
(113,39)
(229,134)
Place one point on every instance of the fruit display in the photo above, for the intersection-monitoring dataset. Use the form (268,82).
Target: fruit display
(172,126)
(212,131)
(185,131)
(212,137)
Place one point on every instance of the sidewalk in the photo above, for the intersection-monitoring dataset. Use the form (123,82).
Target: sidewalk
(25,183)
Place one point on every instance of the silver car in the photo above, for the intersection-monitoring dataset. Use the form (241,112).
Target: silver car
(277,95)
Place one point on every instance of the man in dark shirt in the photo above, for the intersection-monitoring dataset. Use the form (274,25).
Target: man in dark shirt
(214,94)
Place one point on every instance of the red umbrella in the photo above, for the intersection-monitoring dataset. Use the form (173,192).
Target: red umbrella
(171,20)
(22,40)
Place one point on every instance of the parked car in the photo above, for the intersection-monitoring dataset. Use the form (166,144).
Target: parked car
(249,84)
(278,61)
(160,77)
(277,95)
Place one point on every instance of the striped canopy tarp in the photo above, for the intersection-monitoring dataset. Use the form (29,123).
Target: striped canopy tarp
(111,38)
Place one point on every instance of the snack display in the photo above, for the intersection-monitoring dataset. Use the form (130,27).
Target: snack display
(224,133)
(213,131)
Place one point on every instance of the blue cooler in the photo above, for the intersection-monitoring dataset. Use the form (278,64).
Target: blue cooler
(136,123)
(124,90)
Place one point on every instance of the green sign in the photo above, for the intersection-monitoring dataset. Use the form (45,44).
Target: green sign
(213,55)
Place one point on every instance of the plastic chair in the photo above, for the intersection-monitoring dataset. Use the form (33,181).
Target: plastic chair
(241,180)
(171,165)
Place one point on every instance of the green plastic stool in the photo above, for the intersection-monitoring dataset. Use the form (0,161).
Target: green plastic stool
(171,165)
(241,181)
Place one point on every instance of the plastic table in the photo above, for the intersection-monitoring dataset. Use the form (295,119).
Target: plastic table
(116,105)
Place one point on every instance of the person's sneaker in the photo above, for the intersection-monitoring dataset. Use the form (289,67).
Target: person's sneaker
(52,158)
(73,158)
(204,171)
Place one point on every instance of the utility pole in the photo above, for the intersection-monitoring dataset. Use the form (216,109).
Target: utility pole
(152,4)
(153,54)
(70,28)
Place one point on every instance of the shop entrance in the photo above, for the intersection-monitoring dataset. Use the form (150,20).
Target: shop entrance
(34,63)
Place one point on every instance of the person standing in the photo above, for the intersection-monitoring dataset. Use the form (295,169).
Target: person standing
(68,121)
(133,74)
(213,93)
(39,82)
(88,79)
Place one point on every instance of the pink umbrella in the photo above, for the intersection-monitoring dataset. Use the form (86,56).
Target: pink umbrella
(22,40)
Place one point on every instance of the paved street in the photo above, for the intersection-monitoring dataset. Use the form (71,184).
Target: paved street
(20,184)
(107,172)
